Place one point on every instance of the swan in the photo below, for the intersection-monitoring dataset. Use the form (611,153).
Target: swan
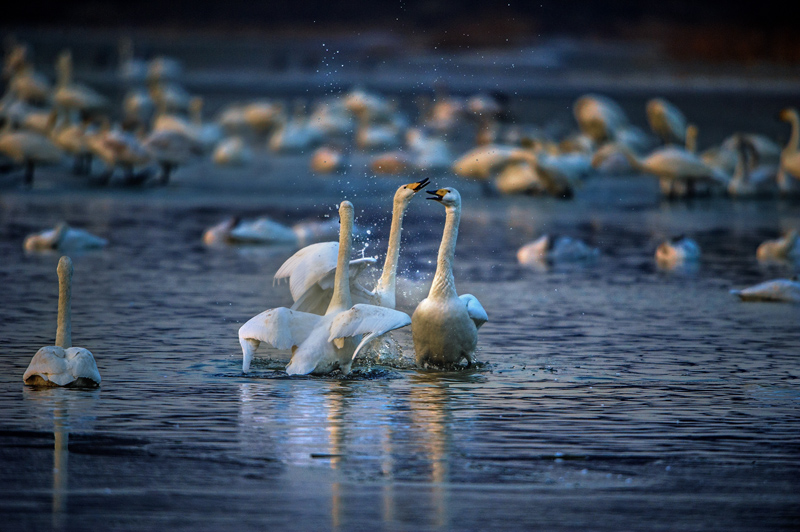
(235,230)
(29,149)
(63,238)
(561,249)
(232,151)
(62,364)
(785,247)
(170,149)
(430,154)
(391,163)
(24,83)
(677,252)
(666,120)
(118,148)
(750,177)
(789,171)
(73,97)
(598,117)
(310,270)
(671,164)
(322,344)
(444,326)
(295,135)
(782,290)
(328,159)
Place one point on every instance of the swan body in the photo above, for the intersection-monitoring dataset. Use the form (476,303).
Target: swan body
(666,120)
(677,252)
(29,149)
(444,326)
(430,154)
(598,117)
(117,148)
(783,248)
(323,343)
(170,149)
(234,230)
(562,249)
(789,172)
(784,290)
(63,238)
(62,364)
(327,159)
(750,177)
(232,151)
(671,164)
(481,163)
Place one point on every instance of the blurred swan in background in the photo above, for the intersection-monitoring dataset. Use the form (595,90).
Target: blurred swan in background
(444,326)
(677,252)
(779,290)
(562,249)
(666,120)
(323,343)
(789,172)
(62,364)
(787,247)
(232,151)
(63,238)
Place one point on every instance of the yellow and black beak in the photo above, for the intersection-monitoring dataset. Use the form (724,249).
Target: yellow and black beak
(419,185)
(436,195)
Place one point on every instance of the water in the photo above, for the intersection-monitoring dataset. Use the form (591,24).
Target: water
(610,395)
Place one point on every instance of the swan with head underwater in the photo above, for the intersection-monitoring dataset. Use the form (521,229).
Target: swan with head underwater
(62,364)
(322,344)
(310,270)
(444,326)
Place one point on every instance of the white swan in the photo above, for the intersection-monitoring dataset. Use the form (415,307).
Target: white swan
(71,97)
(170,149)
(783,248)
(63,238)
(676,167)
(561,249)
(29,149)
(677,252)
(598,117)
(265,231)
(310,271)
(444,326)
(666,120)
(232,151)
(750,176)
(787,290)
(62,364)
(322,344)
(789,172)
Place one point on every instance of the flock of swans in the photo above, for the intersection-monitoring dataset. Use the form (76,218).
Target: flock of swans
(334,316)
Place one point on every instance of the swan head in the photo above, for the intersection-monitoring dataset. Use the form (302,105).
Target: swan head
(448,196)
(345,211)
(788,114)
(406,192)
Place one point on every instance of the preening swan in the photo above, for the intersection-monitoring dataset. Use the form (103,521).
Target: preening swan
(666,121)
(787,290)
(322,344)
(786,247)
(310,271)
(444,326)
(677,252)
(63,238)
(62,364)
(561,249)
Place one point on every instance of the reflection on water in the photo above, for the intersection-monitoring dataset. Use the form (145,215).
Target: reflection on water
(607,384)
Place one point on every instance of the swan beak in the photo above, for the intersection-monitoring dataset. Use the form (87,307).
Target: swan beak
(419,185)
(436,195)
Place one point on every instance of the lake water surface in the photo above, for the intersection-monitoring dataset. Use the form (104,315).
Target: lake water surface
(610,395)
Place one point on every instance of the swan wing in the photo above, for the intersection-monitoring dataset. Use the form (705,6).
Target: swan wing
(475,310)
(369,320)
(82,364)
(49,363)
(307,266)
(280,327)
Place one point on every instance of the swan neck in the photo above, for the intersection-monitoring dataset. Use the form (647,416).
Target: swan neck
(64,330)
(444,285)
(387,284)
(341,300)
